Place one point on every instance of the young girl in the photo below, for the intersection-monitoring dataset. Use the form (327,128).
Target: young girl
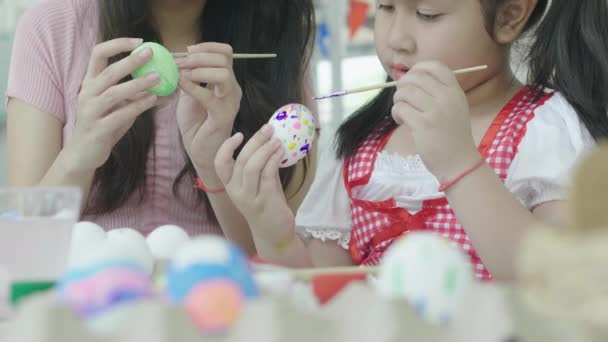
(73,121)
(478,158)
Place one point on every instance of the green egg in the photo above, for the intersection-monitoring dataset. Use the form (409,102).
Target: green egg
(163,63)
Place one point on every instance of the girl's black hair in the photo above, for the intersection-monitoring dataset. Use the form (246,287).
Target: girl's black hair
(567,54)
(253,26)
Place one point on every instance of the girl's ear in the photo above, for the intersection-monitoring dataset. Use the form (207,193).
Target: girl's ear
(511,19)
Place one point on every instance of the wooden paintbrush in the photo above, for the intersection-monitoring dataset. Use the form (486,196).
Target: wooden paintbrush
(389,84)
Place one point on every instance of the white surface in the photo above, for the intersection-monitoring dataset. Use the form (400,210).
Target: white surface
(35,249)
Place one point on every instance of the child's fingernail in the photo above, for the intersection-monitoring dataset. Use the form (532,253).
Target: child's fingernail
(145,53)
(152,77)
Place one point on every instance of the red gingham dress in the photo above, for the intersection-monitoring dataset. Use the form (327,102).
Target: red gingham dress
(375,225)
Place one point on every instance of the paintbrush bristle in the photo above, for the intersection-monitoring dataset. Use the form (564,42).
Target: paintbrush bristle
(340,93)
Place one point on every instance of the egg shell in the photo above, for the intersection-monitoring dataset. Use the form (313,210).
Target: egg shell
(208,249)
(119,245)
(95,290)
(428,271)
(164,241)
(129,242)
(163,63)
(85,237)
(295,126)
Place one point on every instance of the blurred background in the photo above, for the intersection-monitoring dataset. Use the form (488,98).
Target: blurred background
(344,58)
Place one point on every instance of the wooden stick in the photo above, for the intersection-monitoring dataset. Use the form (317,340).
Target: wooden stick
(390,84)
(306,274)
(236,55)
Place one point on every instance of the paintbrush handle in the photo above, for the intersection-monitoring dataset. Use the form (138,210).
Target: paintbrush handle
(236,55)
(370,87)
(306,274)
(391,84)
(253,55)
(394,83)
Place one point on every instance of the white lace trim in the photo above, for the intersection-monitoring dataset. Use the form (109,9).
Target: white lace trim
(406,179)
(342,238)
(396,163)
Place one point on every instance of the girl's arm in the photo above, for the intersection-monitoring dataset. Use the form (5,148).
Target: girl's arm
(495,221)
(253,185)
(430,101)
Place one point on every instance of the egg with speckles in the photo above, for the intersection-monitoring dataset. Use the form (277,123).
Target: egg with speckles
(295,126)
(429,272)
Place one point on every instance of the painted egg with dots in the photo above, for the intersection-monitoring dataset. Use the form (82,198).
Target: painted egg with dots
(295,126)
(429,272)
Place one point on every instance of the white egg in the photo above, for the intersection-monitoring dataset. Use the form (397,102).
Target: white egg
(85,237)
(164,241)
(295,126)
(128,242)
(429,272)
(119,245)
(207,248)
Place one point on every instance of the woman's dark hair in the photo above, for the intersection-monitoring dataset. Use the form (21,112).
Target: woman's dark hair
(252,26)
(567,54)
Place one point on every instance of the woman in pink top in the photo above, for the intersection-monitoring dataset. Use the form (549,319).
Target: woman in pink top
(76,118)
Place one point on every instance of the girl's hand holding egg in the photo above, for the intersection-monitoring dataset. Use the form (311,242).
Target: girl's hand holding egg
(252,181)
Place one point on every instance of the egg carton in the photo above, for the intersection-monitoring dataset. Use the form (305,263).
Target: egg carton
(562,277)
(561,295)
(356,314)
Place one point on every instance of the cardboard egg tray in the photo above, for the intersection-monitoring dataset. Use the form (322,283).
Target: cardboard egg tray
(355,314)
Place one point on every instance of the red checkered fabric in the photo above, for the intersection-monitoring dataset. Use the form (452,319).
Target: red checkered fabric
(375,225)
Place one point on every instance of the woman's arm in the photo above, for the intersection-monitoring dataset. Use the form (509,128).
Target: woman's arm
(35,151)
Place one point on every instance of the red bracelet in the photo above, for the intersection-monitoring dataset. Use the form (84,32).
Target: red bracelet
(444,186)
(201,186)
